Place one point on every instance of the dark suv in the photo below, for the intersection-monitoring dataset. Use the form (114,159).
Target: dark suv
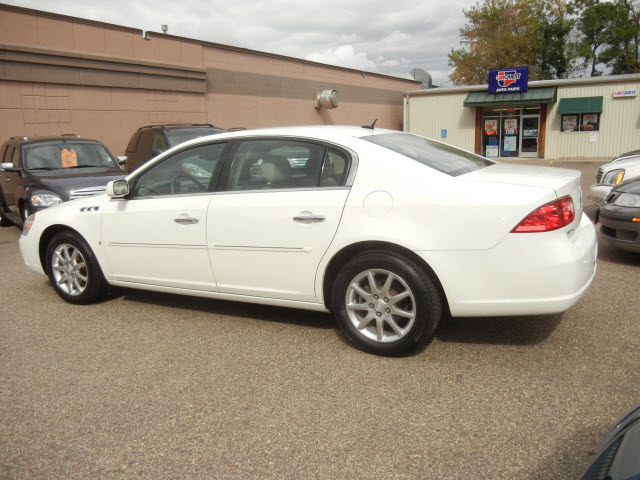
(152,140)
(37,172)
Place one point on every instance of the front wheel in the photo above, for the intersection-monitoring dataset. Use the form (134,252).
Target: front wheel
(73,269)
(385,304)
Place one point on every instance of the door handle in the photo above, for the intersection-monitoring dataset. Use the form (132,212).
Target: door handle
(309,218)
(186,220)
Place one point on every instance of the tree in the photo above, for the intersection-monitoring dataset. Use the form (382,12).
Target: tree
(608,35)
(510,33)
(557,57)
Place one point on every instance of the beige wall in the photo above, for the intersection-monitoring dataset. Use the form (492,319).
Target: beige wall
(619,124)
(110,115)
(428,115)
(62,74)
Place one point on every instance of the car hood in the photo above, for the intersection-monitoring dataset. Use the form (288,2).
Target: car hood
(63,185)
(630,186)
(625,163)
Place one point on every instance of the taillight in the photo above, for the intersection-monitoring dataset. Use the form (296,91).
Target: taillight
(550,216)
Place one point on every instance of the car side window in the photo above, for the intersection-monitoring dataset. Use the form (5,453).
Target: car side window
(144,144)
(335,168)
(186,172)
(133,143)
(276,164)
(159,142)
(8,154)
(15,158)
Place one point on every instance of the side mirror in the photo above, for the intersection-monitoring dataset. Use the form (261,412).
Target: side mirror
(118,188)
(8,167)
(122,159)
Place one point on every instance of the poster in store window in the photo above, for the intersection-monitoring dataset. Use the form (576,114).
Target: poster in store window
(510,126)
(491,127)
(569,123)
(589,121)
(510,144)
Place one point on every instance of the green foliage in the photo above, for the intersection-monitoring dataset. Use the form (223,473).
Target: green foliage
(554,38)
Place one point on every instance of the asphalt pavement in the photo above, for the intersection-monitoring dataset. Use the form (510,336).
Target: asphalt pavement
(153,386)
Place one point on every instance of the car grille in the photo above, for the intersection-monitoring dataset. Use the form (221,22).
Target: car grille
(88,192)
(599,176)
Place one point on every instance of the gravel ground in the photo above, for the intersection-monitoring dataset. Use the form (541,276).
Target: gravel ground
(149,385)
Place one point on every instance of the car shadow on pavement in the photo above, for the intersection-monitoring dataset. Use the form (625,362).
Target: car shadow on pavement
(608,253)
(521,330)
(573,455)
(306,318)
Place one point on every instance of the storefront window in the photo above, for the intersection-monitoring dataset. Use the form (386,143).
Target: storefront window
(580,122)
(510,131)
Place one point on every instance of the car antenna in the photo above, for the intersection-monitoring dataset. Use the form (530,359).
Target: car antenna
(370,127)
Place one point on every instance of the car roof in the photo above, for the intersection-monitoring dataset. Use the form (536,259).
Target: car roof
(179,126)
(320,132)
(51,138)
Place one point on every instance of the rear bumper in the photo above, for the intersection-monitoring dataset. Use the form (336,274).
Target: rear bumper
(526,274)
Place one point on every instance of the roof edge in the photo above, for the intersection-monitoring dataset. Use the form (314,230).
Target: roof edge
(533,84)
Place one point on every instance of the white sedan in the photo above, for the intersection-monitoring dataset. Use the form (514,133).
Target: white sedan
(388,230)
(611,174)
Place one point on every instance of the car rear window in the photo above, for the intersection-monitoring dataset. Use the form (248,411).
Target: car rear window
(439,156)
(176,137)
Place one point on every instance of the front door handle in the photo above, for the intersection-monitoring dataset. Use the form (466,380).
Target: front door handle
(309,218)
(184,220)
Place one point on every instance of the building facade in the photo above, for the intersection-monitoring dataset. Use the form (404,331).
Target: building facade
(588,118)
(61,74)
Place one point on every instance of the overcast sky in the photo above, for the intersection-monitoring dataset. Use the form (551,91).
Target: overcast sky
(383,36)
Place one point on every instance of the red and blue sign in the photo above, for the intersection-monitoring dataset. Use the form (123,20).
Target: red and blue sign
(508,80)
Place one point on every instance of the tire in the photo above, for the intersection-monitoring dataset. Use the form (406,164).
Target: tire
(24,212)
(73,269)
(4,221)
(366,306)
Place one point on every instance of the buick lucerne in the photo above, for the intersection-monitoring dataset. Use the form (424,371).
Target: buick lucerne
(387,230)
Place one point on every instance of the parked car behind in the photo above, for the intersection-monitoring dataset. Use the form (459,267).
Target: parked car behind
(619,216)
(385,229)
(625,155)
(151,140)
(613,173)
(37,172)
(617,457)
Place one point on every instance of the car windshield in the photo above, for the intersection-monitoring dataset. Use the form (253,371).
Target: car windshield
(439,156)
(66,154)
(176,137)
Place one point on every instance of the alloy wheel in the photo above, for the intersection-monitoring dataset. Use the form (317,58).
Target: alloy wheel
(69,269)
(380,305)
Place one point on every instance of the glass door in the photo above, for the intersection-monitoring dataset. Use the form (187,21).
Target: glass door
(529,134)
(510,138)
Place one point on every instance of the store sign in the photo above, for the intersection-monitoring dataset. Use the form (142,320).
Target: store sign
(625,93)
(508,80)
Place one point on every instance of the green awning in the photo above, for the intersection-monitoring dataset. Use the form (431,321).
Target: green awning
(580,105)
(530,97)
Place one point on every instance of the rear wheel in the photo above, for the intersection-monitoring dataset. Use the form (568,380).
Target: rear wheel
(385,304)
(73,269)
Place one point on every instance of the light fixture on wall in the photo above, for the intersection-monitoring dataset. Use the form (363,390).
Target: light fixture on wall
(327,99)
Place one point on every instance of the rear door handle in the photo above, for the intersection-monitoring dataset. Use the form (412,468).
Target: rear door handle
(310,218)
(186,220)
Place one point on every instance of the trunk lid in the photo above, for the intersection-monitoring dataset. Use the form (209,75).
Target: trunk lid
(561,180)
